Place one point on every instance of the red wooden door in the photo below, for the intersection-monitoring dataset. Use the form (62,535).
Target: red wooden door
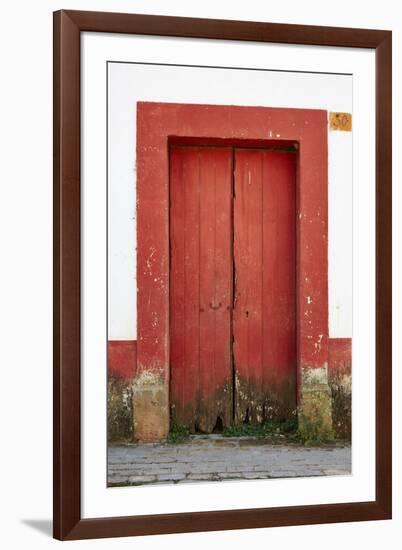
(201,287)
(232,339)
(264,315)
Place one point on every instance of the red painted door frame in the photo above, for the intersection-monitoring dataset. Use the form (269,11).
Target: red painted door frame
(158,125)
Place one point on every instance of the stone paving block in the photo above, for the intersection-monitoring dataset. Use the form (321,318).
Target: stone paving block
(202,477)
(255,475)
(124,473)
(231,475)
(337,472)
(157,468)
(166,459)
(141,479)
(264,467)
(127,466)
(117,479)
(170,477)
(205,467)
(182,467)
(240,467)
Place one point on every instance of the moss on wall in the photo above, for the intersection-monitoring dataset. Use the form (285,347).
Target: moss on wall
(315,419)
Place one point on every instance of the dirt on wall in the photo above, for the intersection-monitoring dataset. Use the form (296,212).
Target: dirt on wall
(119,409)
(340,383)
(341,393)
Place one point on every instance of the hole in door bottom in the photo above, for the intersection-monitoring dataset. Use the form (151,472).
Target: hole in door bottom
(218,428)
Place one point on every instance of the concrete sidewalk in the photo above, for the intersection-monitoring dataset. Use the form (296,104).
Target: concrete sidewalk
(217,458)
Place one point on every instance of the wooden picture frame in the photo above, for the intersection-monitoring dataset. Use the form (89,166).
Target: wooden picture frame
(68,524)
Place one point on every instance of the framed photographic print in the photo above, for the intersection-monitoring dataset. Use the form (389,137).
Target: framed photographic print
(222,235)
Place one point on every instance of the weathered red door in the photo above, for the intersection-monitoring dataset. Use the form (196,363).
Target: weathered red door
(232,286)
(201,286)
(264,315)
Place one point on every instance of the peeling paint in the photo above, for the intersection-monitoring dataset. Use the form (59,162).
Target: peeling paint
(318,343)
(314,376)
(148,377)
(150,260)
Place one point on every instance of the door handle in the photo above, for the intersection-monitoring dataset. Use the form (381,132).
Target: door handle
(215,306)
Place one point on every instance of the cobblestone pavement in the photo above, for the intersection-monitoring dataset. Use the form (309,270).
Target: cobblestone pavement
(215,458)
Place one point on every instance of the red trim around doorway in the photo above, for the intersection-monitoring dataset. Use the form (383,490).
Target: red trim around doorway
(158,125)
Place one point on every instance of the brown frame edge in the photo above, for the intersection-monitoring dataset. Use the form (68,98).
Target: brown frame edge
(68,524)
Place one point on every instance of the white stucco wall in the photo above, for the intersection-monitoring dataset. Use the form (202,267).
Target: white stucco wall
(129,83)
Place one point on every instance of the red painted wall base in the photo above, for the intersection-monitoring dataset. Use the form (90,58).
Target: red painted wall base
(339,356)
(122,358)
